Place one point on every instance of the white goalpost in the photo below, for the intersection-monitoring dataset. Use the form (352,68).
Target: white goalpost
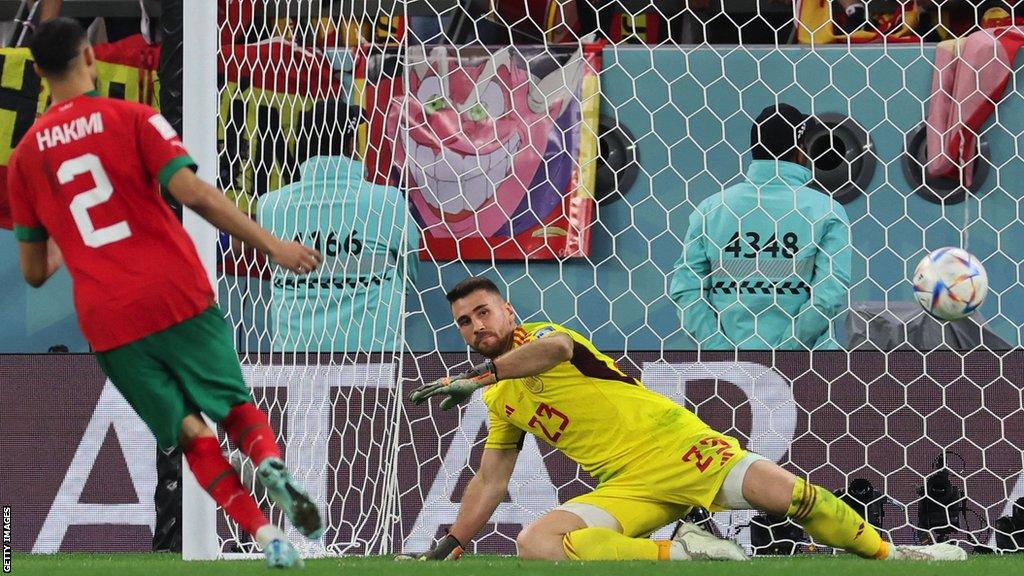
(199,134)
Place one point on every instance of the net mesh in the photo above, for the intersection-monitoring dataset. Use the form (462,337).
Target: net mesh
(566,152)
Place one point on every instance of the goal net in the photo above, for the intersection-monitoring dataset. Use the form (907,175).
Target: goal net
(564,153)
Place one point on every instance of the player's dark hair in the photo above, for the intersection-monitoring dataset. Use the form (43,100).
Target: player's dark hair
(55,44)
(470,285)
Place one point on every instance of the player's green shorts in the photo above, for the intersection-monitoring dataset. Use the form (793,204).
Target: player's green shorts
(189,367)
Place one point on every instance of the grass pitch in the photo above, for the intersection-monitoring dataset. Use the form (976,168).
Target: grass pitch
(170,564)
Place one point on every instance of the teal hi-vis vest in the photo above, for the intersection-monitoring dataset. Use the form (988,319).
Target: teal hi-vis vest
(765,264)
(353,302)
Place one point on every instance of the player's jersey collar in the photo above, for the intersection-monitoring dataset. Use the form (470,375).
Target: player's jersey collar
(65,104)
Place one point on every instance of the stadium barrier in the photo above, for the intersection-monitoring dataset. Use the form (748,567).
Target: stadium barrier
(829,416)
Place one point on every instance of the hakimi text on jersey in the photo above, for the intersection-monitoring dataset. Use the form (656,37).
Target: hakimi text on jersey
(70,131)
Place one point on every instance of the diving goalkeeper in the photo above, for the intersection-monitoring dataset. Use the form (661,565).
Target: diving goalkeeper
(653,459)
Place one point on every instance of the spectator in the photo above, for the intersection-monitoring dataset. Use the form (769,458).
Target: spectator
(943,19)
(354,301)
(241,21)
(856,15)
(853,14)
(117,28)
(766,263)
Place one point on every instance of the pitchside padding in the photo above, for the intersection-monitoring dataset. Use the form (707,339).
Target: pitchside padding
(831,416)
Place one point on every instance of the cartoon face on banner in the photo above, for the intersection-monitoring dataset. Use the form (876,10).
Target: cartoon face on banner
(488,148)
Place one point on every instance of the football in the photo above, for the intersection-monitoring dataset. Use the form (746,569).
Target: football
(950,283)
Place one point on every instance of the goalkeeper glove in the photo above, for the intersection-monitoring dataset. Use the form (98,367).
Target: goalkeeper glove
(457,389)
(448,548)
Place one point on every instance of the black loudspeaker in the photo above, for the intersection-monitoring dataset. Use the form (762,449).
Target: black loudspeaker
(775,536)
(618,163)
(941,506)
(939,190)
(865,500)
(1010,529)
(843,157)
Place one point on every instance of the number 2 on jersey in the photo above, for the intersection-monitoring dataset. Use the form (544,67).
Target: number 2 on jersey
(98,194)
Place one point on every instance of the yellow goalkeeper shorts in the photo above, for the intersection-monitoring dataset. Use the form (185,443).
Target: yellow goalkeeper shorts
(685,471)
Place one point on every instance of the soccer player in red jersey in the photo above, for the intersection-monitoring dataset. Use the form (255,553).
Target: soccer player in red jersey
(85,179)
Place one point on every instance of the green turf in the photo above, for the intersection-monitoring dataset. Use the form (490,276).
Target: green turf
(169,564)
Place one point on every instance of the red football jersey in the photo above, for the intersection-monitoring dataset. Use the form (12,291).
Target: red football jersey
(86,174)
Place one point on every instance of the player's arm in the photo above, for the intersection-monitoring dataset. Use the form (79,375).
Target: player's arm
(530,359)
(483,494)
(39,261)
(536,357)
(166,160)
(38,254)
(211,204)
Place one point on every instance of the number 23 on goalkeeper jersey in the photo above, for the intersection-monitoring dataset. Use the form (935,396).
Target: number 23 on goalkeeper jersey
(604,420)
(87,174)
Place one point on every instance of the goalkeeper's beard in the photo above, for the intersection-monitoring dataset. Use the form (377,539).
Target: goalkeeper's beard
(501,345)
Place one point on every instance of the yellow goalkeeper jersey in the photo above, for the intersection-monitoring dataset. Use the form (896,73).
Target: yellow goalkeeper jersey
(588,408)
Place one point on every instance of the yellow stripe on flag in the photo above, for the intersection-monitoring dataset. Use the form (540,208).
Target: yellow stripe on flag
(590,109)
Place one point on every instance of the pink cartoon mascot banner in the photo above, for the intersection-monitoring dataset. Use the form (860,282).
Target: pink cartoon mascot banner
(496,150)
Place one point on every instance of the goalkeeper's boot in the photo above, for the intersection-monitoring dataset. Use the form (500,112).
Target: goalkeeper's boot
(703,545)
(281,554)
(302,512)
(940,551)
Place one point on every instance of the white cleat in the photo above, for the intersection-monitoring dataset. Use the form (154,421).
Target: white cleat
(931,552)
(703,545)
(281,554)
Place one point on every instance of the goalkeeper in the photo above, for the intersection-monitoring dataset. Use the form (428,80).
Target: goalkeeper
(653,459)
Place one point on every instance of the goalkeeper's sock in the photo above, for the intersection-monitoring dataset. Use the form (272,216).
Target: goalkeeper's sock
(605,544)
(250,432)
(219,479)
(833,523)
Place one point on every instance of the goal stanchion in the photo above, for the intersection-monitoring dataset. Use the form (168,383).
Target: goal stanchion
(199,133)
